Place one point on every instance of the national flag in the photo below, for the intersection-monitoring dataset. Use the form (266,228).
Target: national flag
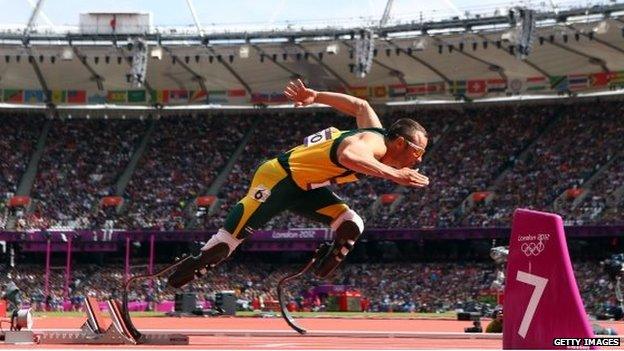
(137,96)
(476,87)
(617,79)
(397,90)
(217,96)
(13,95)
(178,96)
(160,96)
(236,93)
(416,89)
(379,92)
(117,96)
(96,98)
(578,82)
(34,96)
(496,85)
(360,92)
(559,83)
(459,87)
(436,88)
(536,83)
(76,96)
(600,79)
(59,96)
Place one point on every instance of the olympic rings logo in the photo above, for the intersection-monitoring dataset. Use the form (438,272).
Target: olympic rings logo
(532,249)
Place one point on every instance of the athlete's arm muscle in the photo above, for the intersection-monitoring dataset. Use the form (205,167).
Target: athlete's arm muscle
(360,153)
(352,106)
(356,107)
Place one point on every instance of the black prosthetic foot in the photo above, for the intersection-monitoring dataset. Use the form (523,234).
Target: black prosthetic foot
(196,266)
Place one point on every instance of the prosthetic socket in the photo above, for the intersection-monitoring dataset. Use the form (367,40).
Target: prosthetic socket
(348,227)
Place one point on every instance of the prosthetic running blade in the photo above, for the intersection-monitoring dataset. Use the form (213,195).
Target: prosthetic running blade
(319,253)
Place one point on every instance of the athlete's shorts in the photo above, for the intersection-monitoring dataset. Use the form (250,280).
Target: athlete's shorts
(272,191)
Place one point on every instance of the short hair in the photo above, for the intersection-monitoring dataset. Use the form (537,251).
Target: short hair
(405,127)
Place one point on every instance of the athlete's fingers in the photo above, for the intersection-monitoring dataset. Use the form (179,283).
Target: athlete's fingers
(418,184)
(422,177)
(300,84)
(419,180)
(289,95)
(419,175)
(290,91)
(292,86)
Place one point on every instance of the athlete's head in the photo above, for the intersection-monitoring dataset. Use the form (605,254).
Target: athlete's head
(406,143)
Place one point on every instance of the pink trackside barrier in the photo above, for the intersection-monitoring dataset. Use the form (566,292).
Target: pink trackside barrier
(542,300)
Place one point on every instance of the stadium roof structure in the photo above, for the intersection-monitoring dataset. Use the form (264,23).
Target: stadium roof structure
(576,50)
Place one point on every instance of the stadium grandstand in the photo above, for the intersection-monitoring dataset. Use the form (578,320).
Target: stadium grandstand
(125,145)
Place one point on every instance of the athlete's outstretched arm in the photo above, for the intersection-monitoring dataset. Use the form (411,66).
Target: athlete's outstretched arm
(364,114)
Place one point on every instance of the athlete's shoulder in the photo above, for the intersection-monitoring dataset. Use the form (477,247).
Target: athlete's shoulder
(372,132)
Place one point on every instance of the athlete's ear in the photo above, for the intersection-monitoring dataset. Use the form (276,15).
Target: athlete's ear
(394,144)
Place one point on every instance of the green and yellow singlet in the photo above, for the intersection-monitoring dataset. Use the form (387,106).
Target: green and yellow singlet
(314,164)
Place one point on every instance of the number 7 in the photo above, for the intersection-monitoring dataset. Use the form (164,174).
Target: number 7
(540,284)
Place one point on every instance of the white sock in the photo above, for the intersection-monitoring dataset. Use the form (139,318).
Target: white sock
(223,236)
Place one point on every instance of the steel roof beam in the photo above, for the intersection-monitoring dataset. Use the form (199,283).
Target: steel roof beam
(231,70)
(342,81)
(500,70)
(94,75)
(424,63)
(292,73)
(201,80)
(592,59)
(598,40)
(525,61)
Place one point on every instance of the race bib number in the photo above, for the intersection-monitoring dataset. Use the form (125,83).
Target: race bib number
(319,137)
(260,193)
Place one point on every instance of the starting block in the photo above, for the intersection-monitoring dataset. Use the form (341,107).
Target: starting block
(95,331)
(542,300)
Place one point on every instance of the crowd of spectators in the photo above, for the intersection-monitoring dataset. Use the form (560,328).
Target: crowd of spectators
(81,163)
(19,138)
(400,287)
(603,191)
(584,137)
(184,155)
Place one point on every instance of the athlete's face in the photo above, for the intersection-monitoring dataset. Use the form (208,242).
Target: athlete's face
(407,151)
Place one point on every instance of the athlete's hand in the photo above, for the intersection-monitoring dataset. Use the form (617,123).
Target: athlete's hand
(299,94)
(411,177)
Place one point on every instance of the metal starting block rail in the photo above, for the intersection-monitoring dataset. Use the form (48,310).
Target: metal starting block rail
(93,331)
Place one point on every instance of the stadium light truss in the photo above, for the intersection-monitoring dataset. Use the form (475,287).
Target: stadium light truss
(364,47)
(522,33)
(138,47)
